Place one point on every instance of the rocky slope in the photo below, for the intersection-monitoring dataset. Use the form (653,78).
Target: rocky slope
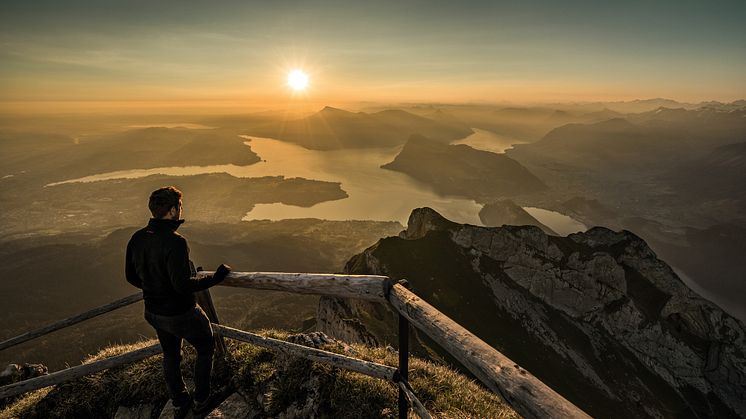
(595,315)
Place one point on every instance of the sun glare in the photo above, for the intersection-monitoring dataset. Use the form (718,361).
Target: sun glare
(298,80)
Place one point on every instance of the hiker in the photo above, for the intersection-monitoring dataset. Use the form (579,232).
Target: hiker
(157,261)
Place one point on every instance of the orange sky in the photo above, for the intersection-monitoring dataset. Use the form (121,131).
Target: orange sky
(236,55)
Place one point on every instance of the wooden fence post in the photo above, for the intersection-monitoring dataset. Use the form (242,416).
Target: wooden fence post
(526,394)
(403,363)
(403,360)
(204,299)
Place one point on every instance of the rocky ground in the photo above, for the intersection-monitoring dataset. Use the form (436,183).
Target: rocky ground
(595,315)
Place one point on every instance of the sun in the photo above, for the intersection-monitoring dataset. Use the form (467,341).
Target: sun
(298,80)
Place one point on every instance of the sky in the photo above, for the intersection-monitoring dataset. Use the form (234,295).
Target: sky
(404,51)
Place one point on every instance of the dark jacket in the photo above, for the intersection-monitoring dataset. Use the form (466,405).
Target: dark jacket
(158,262)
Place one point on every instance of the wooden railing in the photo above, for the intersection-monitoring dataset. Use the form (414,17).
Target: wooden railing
(526,394)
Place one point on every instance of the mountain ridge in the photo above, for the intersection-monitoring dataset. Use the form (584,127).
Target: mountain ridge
(333,129)
(595,315)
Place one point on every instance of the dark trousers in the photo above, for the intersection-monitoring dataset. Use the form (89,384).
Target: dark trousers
(194,327)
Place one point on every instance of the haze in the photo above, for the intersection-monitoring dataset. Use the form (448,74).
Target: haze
(305,133)
(238,53)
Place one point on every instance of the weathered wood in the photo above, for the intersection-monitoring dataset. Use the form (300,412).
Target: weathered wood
(417,405)
(403,363)
(204,299)
(71,321)
(366,287)
(526,394)
(68,374)
(341,361)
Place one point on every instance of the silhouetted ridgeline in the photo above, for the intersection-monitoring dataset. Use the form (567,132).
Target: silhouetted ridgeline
(334,129)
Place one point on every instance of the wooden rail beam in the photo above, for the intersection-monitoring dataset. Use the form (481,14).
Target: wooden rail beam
(365,287)
(341,361)
(416,404)
(71,321)
(526,394)
(204,299)
(68,374)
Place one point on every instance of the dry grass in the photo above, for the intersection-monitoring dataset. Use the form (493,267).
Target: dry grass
(282,385)
(97,395)
(444,391)
(24,403)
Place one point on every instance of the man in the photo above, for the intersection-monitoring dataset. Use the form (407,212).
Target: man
(158,262)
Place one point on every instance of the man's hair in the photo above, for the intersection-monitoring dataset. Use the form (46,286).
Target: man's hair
(162,200)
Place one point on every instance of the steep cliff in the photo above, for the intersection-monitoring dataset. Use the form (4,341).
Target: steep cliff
(595,315)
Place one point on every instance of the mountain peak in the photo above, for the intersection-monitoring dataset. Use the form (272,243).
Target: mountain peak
(596,315)
(422,220)
(333,110)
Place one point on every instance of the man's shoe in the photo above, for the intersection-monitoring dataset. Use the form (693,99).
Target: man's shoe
(181,412)
(206,406)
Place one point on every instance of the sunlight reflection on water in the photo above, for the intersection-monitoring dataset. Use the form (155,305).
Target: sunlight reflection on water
(374,193)
(559,223)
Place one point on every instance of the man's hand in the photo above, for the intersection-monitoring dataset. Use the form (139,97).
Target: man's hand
(193,284)
(221,272)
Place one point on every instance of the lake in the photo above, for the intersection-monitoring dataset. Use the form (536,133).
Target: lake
(560,223)
(374,193)
(488,141)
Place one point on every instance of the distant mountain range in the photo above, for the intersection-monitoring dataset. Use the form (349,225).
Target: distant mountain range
(662,137)
(54,157)
(529,123)
(332,129)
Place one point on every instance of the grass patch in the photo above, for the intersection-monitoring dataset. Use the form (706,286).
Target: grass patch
(273,384)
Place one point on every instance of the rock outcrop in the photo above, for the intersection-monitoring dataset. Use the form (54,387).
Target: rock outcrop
(14,373)
(595,315)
